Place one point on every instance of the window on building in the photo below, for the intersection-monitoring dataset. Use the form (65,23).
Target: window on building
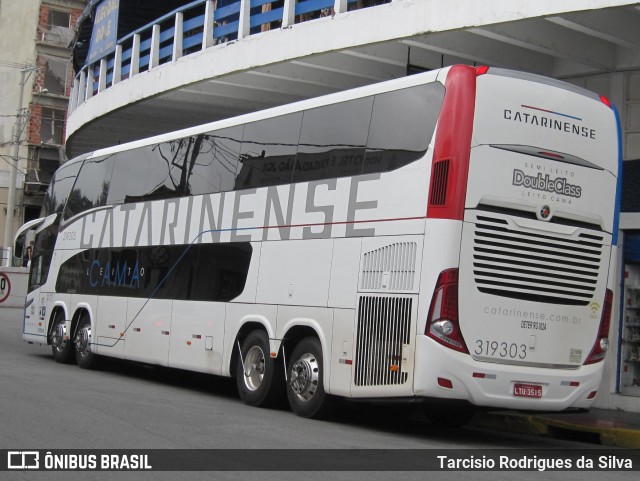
(52,126)
(55,76)
(41,168)
(58,29)
(58,19)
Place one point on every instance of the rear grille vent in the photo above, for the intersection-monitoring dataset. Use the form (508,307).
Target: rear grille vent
(391,267)
(439,183)
(383,331)
(535,267)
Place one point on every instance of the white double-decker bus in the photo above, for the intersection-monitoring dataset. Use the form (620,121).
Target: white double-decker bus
(447,237)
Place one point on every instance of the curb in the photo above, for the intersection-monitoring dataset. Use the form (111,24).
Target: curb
(539,425)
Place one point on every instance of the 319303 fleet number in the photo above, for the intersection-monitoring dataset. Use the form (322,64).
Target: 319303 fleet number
(503,349)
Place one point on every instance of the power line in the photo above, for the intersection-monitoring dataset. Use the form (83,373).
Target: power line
(4,157)
(17,65)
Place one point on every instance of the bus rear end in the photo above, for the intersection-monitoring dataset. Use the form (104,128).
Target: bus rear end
(520,316)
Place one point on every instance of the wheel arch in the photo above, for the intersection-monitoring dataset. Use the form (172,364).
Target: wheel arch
(249,325)
(297,333)
(81,309)
(57,307)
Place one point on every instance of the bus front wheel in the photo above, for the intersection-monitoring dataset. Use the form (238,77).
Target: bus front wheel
(61,348)
(85,357)
(305,386)
(259,377)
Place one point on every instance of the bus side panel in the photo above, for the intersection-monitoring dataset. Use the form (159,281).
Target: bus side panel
(110,325)
(345,268)
(149,330)
(342,352)
(197,336)
(395,203)
(295,272)
(38,317)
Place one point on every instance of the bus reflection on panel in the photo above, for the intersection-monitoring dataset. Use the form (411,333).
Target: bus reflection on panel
(445,237)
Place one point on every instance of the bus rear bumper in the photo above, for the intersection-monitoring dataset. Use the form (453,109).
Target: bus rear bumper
(443,373)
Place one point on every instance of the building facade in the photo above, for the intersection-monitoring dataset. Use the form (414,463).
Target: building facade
(35,66)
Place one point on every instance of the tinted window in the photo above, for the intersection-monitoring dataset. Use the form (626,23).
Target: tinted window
(60,188)
(163,167)
(145,173)
(42,254)
(204,272)
(333,140)
(269,151)
(374,134)
(402,126)
(91,187)
(213,162)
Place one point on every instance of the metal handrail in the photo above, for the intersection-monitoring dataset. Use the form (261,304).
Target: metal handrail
(172,36)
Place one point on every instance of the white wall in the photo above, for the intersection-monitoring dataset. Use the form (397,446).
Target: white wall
(623,89)
(18,22)
(13,286)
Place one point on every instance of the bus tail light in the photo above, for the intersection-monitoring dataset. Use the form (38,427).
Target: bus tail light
(602,341)
(445,383)
(606,101)
(442,322)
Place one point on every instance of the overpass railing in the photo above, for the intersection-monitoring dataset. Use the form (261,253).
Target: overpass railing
(197,26)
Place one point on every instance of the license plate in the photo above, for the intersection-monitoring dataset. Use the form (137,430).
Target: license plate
(527,390)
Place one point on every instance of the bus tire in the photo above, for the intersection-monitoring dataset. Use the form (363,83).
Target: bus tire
(259,377)
(305,386)
(85,357)
(61,349)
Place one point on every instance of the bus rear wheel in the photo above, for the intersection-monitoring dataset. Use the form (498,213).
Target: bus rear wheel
(259,377)
(305,386)
(61,348)
(85,357)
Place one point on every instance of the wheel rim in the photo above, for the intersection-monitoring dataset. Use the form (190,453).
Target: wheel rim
(304,377)
(82,340)
(57,336)
(254,362)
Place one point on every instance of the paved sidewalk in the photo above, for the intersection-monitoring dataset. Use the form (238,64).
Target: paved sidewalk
(598,426)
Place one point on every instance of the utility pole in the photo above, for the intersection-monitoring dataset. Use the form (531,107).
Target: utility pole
(13,163)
